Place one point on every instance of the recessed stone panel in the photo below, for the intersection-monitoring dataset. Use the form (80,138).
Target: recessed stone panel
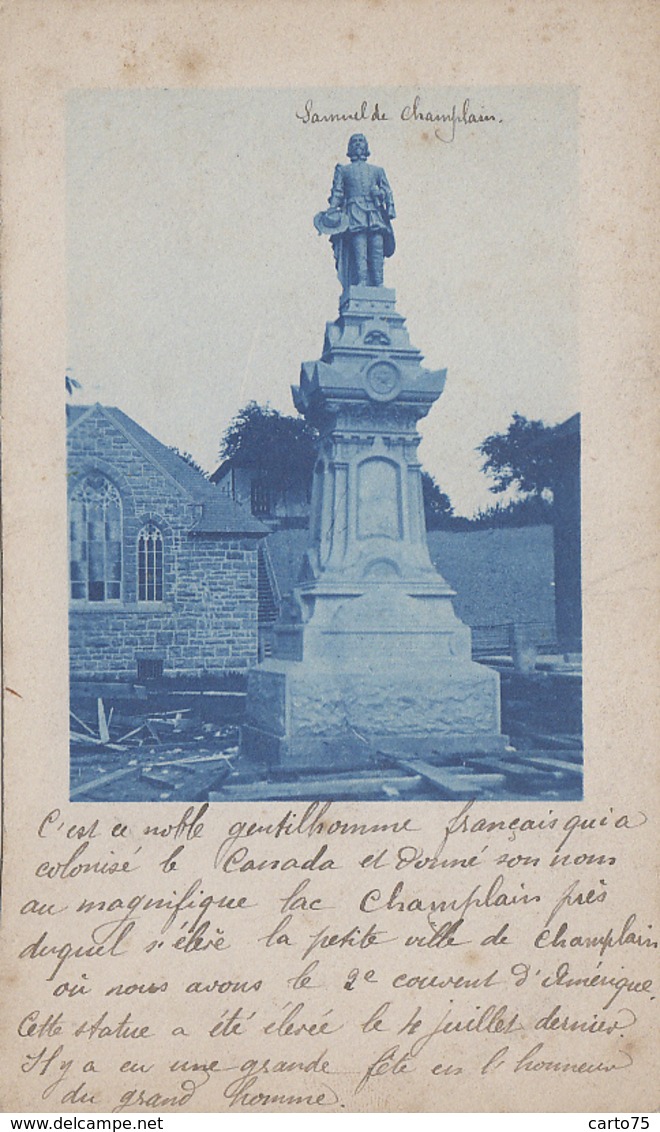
(379,499)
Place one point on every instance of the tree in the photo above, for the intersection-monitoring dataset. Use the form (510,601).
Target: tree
(438,510)
(522,458)
(280,447)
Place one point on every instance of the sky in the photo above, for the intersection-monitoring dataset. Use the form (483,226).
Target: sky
(197,281)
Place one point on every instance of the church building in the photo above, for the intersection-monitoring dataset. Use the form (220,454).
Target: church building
(163,566)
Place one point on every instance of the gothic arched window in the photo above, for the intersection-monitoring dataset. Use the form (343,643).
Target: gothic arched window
(150,563)
(95,532)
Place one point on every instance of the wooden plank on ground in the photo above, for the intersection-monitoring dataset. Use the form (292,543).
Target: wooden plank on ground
(316,790)
(104,734)
(539,770)
(504,765)
(85,787)
(193,760)
(543,761)
(552,741)
(148,775)
(93,741)
(454,781)
(81,723)
(130,734)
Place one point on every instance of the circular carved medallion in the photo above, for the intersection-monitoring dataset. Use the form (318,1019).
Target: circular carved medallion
(382,381)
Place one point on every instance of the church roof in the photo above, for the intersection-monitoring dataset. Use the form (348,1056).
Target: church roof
(219,513)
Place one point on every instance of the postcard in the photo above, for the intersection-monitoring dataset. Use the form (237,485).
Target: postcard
(328,560)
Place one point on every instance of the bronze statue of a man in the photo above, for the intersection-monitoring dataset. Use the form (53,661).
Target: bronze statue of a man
(358,221)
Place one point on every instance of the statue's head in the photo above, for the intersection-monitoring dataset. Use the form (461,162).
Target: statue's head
(358,148)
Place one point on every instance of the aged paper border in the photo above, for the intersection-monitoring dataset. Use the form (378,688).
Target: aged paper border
(605,49)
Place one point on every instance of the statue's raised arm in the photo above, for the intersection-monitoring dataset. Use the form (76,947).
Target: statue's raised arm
(359,219)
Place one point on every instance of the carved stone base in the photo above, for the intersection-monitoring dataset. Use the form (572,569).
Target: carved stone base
(312,715)
(369,653)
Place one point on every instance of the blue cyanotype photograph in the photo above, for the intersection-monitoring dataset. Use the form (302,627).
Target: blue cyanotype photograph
(323,445)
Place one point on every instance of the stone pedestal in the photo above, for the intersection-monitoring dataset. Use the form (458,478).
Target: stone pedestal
(369,654)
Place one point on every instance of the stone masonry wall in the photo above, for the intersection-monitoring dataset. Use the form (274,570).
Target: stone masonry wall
(207,622)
